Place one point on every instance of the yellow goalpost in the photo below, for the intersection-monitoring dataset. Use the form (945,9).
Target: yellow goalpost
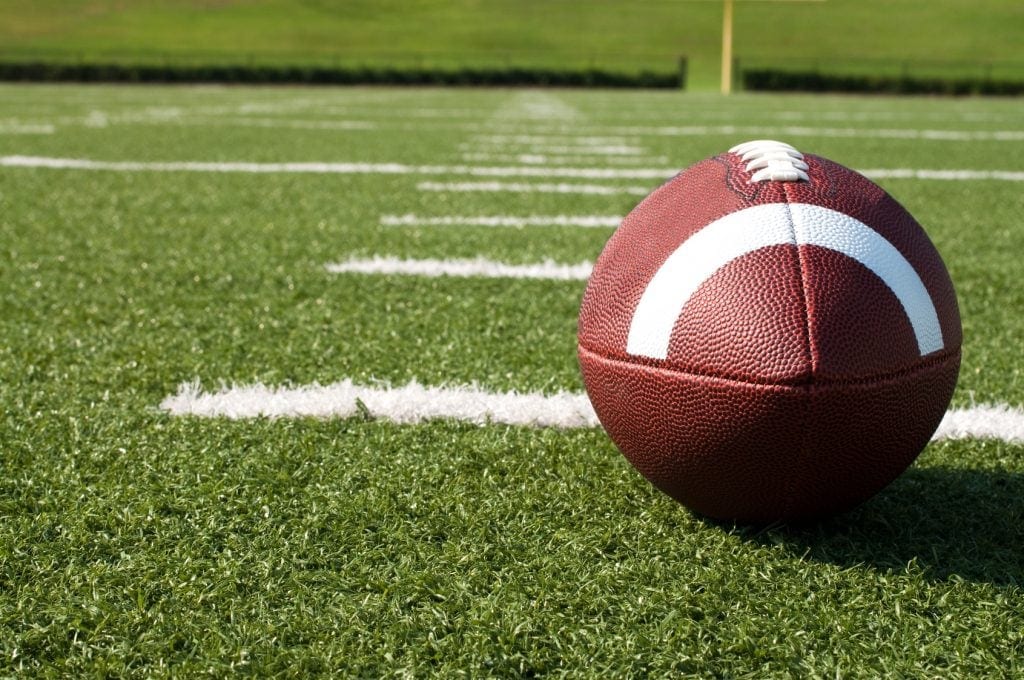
(727,41)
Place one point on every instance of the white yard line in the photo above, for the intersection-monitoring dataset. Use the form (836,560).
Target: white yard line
(414,403)
(345,168)
(525,188)
(576,173)
(339,168)
(561,132)
(983,421)
(293,124)
(589,150)
(564,138)
(410,220)
(782,131)
(478,267)
(98,118)
(564,149)
(9,128)
(911,173)
(561,159)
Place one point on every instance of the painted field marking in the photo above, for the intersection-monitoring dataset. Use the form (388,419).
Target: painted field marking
(478,267)
(537,105)
(525,188)
(416,403)
(582,149)
(607,114)
(909,173)
(435,112)
(911,116)
(531,139)
(343,168)
(568,172)
(14,128)
(560,159)
(592,150)
(294,124)
(832,132)
(339,168)
(783,130)
(983,421)
(593,221)
(179,118)
(411,403)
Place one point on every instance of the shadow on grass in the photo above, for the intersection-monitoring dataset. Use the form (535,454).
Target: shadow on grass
(954,523)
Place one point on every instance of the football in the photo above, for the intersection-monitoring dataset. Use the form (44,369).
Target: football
(769,336)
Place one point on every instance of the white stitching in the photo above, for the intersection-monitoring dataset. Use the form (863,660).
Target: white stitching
(769,160)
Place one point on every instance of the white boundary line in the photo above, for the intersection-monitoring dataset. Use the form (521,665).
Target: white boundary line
(415,403)
(592,221)
(479,267)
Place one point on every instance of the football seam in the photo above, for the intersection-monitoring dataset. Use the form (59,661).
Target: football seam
(810,384)
(797,482)
(812,359)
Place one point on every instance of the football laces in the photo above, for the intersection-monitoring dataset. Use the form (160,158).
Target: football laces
(769,160)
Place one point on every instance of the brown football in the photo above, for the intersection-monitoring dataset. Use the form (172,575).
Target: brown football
(769,336)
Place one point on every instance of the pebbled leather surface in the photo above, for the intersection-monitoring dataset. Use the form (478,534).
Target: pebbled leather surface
(765,453)
(793,385)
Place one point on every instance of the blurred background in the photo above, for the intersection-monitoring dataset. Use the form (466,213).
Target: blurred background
(872,44)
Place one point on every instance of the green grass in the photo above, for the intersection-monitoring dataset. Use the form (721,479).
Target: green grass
(136,543)
(972,36)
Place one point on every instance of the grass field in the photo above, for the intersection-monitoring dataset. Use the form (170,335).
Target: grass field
(138,542)
(936,38)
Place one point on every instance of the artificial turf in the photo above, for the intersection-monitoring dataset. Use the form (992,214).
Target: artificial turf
(133,542)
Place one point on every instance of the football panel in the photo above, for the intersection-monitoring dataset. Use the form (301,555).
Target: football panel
(650,234)
(765,453)
(683,206)
(839,188)
(748,322)
(862,436)
(724,449)
(858,327)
